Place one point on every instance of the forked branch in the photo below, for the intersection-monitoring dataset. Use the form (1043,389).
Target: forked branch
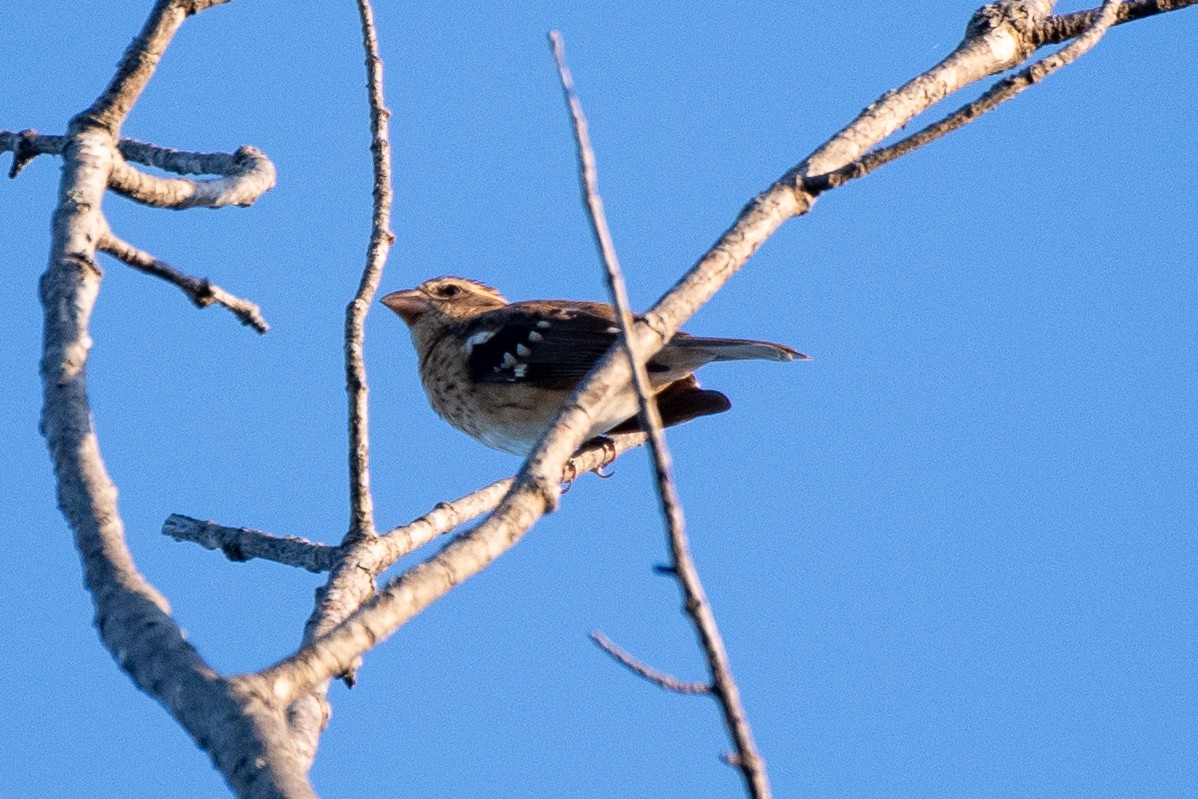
(986,50)
(244,735)
(999,93)
(261,745)
(698,608)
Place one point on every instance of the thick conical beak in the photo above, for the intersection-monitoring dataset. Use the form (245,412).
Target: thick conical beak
(409,304)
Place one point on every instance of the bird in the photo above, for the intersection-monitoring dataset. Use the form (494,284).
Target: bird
(500,371)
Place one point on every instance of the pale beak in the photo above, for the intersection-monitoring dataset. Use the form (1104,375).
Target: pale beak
(409,304)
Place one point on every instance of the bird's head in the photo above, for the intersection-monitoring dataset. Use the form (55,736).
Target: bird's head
(443,300)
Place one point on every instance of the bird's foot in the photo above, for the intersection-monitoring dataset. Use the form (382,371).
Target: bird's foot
(609,456)
(570,473)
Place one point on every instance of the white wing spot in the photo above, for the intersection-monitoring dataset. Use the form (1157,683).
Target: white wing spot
(481,337)
(534,337)
(543,324)
(523,351)
(521,370)
(509,360)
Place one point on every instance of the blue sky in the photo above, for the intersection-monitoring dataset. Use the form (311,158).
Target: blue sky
(954,555)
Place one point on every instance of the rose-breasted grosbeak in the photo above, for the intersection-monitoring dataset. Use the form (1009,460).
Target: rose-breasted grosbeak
(500,371)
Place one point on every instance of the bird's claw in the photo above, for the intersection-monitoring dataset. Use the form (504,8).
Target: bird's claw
(570,473)
(609,456)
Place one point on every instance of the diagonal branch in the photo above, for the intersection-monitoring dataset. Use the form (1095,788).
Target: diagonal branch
(724,686)
(443,518)
(996,95)
(200,291)
(1063,27)
(376,554)
(658,678)
(334,652)
(138,64)
(243,543)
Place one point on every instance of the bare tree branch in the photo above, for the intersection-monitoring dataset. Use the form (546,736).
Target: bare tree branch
(351,580)
(658,678)
(996,95)
(262,744)
(201,291)
(245,735)
(248,174)
(446,516)
(380,553)
(1063,27)
(985,51)
(381,238)
(748,758)
(243,543)
(188,162)
(376,555)
(138,64)
(27,145)
(333,653)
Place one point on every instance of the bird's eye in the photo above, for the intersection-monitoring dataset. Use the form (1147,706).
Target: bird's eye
(449,290)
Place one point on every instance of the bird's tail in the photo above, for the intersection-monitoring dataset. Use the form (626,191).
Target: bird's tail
(740,349)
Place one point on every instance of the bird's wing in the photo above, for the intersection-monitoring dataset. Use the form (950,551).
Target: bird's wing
(545,343)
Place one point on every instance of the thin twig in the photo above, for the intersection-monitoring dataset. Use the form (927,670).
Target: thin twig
(381,237)
(1002,91)
(349,584)
(201,291)
(1066,26)
(749,760)
(244,543)
(658,678)
(378,554)
(445,516)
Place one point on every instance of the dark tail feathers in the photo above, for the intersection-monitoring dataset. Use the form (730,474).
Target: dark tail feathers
(741,349)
